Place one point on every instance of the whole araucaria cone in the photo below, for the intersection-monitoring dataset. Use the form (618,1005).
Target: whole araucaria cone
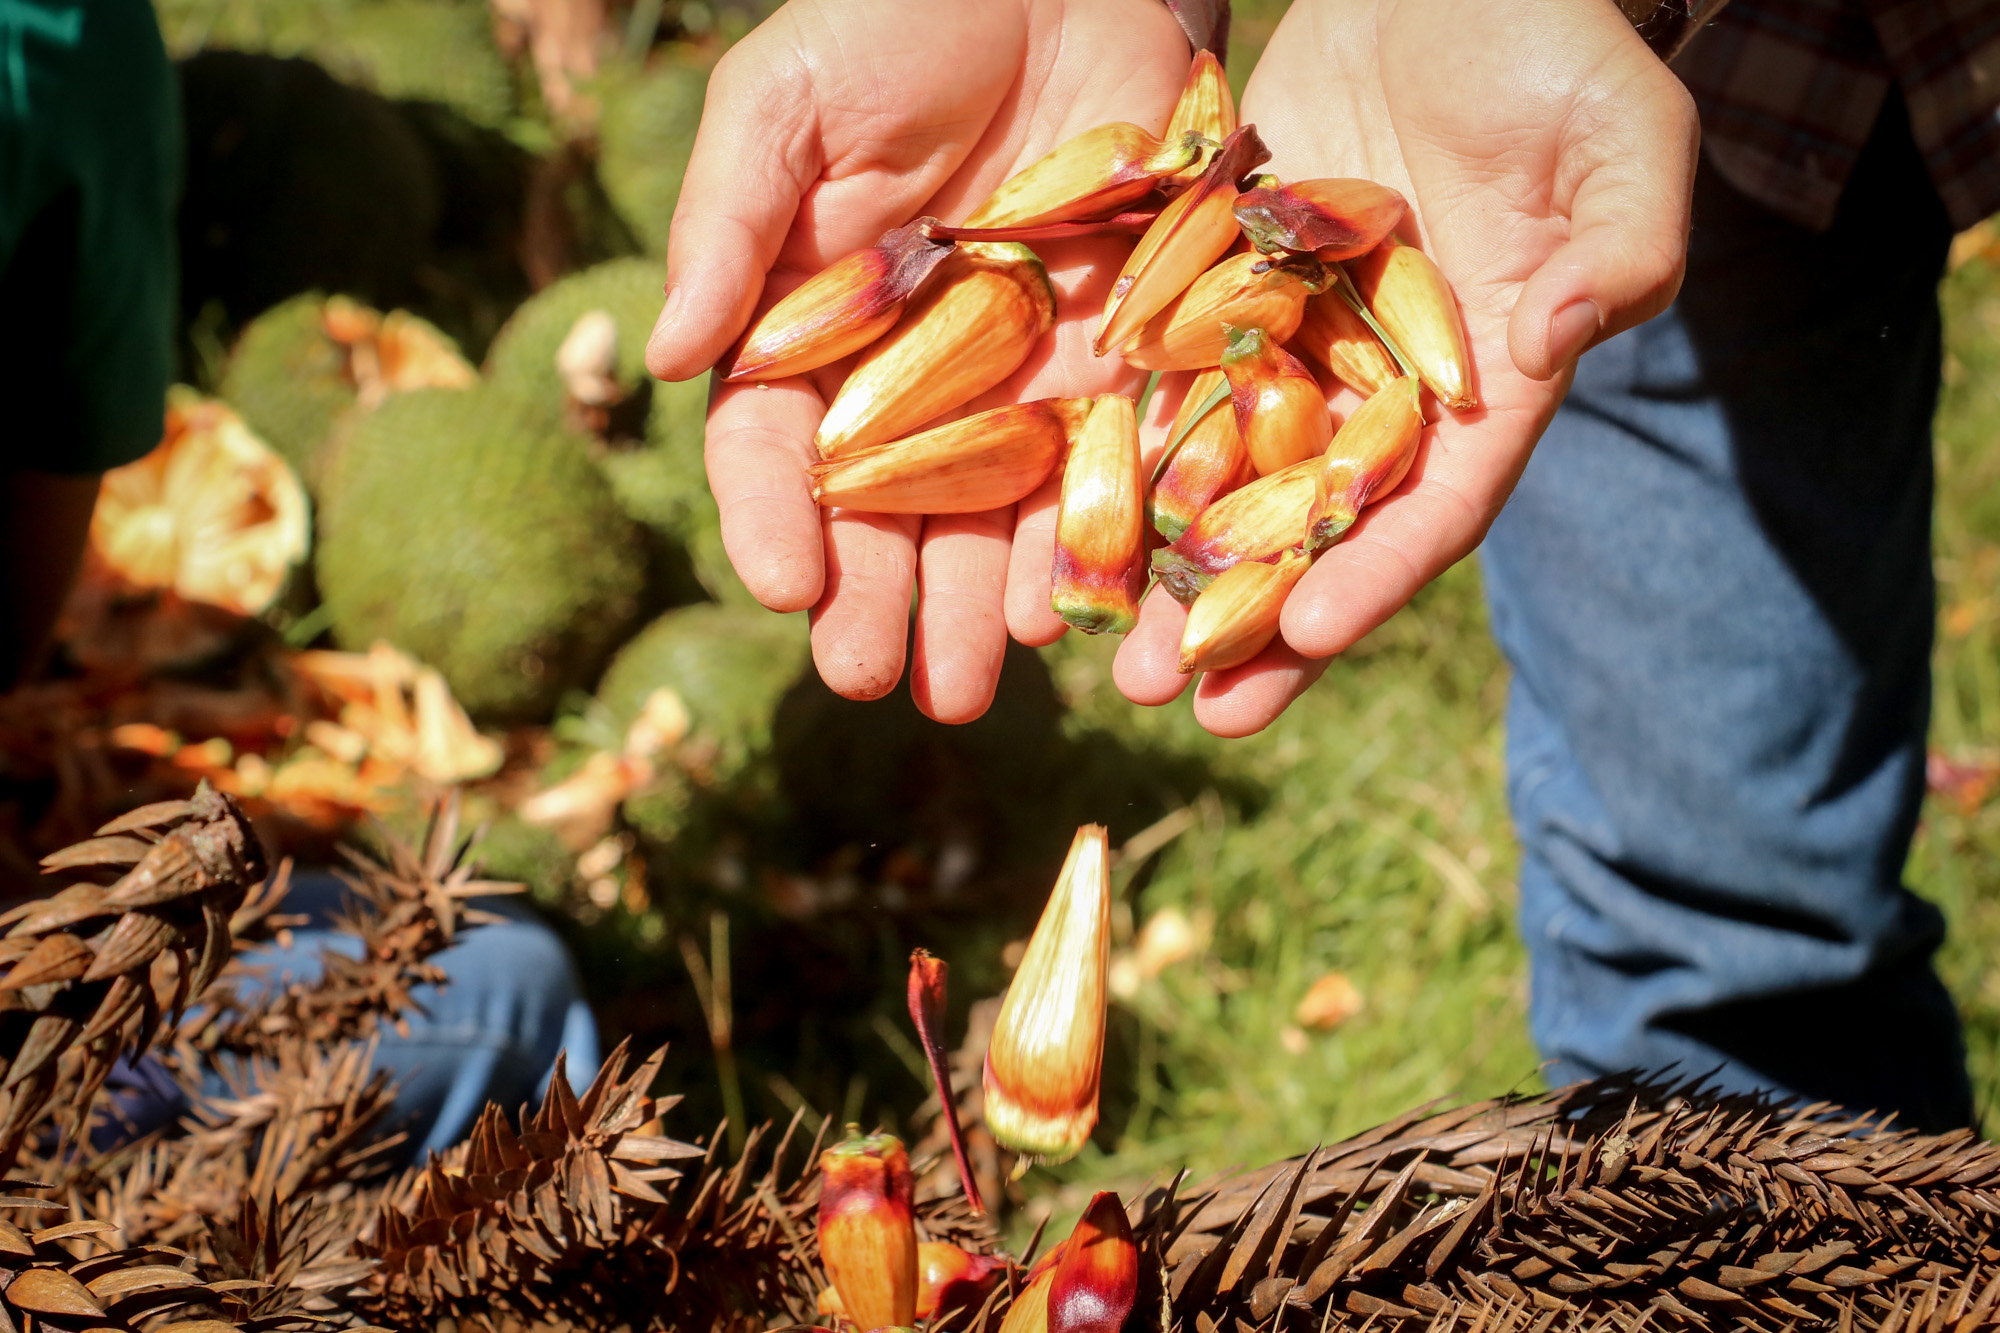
(1047,1050)
(867,1239)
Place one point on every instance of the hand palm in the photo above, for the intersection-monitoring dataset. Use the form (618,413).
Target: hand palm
(830,125)
(1508,129)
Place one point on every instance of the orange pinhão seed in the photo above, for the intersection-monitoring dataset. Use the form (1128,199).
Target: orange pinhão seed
(1099,571)
(1236,616)
(1331,334)
(1030,1311)
(1280,412)
(867,1239)
(1332,219)
(1189,235)
(1206,107)
(971,328)
(1047,1050)
(1416,307)
(1097,1280)
(1087,177)
(1189,334)
(967,466)
(1208,463)
(841,309)
(1260,521)
(1367,458)
(948,1278)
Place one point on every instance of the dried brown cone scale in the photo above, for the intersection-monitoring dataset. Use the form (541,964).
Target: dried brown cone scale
(93,971)
(1610,1205)
(69,1275)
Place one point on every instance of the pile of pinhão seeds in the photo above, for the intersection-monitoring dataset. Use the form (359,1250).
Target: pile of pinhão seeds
(1235,275)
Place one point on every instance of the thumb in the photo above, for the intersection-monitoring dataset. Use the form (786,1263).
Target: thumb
(754,156)
(1627,246)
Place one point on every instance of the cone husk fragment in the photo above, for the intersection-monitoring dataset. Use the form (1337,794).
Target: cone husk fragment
(1047,1051)
(1209,463)
(1368,457)
(1281,414)
(1256,522)
(1190,234)
(1332,219)
(1236,616)
(1332,335)
(971,328)
(1089,176)
(1206,107)
(1099,571)
(1243,291)
(962,467)
(841,309)
(1415,305)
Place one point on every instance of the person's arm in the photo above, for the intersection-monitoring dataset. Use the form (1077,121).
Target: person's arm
(829,124)
(1548,156)
(44,519)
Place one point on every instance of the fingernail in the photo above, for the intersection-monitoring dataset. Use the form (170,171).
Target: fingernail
(1570,331)
(673,292)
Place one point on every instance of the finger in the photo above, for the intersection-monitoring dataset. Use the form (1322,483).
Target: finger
(1627,246)
(758,443)
(1147,668)
(862,625)
(755,154)
(1030,567)
(1242,701)
(961,635)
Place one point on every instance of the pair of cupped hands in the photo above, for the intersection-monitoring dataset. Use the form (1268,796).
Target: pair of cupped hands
(1546,153)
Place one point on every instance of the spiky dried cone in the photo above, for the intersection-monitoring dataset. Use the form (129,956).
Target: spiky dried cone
(1097,1281)
(1206,107)
(1616,1204)
(1099,571)
(1367,459)
(45,1285)
(841,309)
(1260,521)
(1333,335)
(407,907)
(1330,219)
(1415,305)
(1189,235)
(866,1237)
(1208,462)
(971,327)
(1192,332)
(1089,176)
(96,967)
(1236,615)
(212,513)
(1281,414)
(1043,1063)
(962,467)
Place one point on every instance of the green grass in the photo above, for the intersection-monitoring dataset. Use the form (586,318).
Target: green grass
(1383,851)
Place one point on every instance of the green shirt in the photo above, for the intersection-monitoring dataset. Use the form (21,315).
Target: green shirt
(89,171)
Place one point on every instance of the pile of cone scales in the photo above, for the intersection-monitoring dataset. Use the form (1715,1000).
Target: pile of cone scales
(1273,293)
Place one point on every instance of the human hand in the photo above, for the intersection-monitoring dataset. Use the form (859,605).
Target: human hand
(829,124)
(1548,157)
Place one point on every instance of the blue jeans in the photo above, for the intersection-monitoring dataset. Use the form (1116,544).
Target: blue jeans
(492,1033)
(1714,585)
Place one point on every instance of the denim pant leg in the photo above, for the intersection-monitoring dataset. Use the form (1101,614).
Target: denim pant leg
(1714,586)
(491,1033)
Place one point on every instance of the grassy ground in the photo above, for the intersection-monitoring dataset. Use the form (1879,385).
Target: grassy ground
(1382,851)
